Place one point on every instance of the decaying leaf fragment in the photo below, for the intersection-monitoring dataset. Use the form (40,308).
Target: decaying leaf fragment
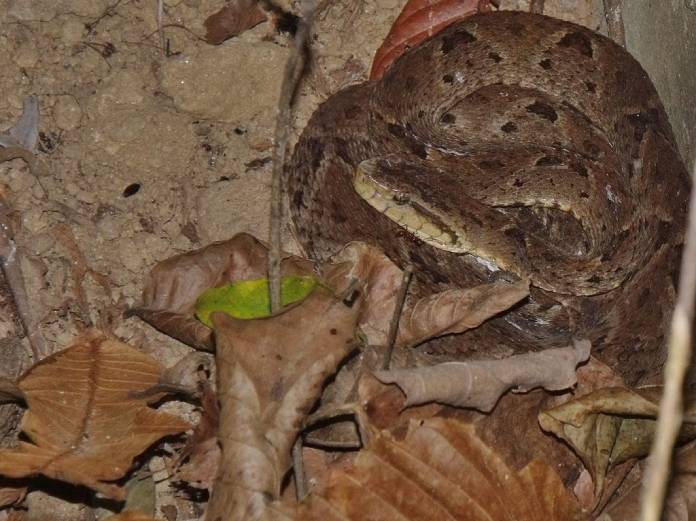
(479,384)
(270,373)
(439,470)
(201,453)
(84,426)
(235,17)
(11,495)
(612,425)
(680,502)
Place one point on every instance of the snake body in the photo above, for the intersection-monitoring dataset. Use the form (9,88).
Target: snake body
(510,145)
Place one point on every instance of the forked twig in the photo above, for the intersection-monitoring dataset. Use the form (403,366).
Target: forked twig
(678,356)
(291,78)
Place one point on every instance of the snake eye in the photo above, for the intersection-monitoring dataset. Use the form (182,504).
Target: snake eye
(401,198)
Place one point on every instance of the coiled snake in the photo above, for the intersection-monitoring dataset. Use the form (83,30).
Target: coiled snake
(527,147)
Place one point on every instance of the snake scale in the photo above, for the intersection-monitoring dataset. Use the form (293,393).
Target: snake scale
(548,148)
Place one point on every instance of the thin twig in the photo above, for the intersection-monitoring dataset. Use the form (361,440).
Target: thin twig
(678,357)
(394,325)
(15,280)
(160,28)
(291,77)
(614,18)
(536,6)
(298,469)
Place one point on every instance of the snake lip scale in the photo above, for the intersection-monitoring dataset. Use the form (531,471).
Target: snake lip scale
(528,147)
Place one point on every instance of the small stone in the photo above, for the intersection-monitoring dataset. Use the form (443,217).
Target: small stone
(67,113)
(26,56)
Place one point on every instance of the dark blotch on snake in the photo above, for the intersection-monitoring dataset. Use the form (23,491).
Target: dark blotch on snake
(578,41)
(543,110)
(509,127)
(450,41)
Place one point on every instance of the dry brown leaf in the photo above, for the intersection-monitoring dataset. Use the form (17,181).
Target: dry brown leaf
(381,282)
(10,494)
(457,310)
(480,384)
(451,311)
(234,18)
(84,426)
(173,286)
(270,373)
(440,470)
(680,503)
(610,426)
(202,449)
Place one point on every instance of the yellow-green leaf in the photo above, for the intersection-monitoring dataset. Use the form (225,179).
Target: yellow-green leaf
(249,298)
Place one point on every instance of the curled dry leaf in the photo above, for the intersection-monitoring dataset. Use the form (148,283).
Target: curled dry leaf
(270,373)
(439,470)
(480,384)
(235,17)
(173,286)
(612,425)
(419,20)
(84,426)
(11,494)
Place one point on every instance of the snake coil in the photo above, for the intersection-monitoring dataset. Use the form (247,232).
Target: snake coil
(543,150)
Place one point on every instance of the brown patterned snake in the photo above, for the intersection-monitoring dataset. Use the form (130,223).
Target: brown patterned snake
(540,149)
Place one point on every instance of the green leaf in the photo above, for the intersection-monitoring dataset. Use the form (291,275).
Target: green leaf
(248,299)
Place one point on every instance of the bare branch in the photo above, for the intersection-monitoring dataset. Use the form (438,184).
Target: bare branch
(678,357)
(293,72)
(614,18)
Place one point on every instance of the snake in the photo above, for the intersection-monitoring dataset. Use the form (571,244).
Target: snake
(509,146)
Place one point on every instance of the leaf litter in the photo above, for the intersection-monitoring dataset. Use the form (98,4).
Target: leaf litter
(265,403)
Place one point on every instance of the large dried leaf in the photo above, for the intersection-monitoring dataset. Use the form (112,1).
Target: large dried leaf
(451,311)
(479,384)
(440,470)
(611,425)
(173,286)
(270,373)
(457,310)
(85,427)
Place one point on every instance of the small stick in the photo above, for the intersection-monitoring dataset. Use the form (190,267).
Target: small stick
(298,469)
(394,326)
(291,78)
(536,6)
(614,18)
(13,275)
(678,356)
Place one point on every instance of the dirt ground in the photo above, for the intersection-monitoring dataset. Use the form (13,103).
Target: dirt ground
(148,155)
